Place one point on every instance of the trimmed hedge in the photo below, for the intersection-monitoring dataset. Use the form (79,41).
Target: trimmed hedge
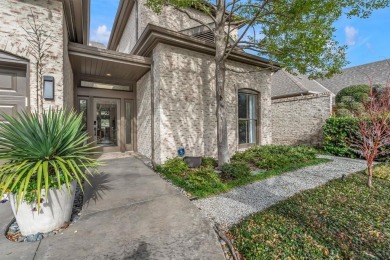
(357,92)
(336,132)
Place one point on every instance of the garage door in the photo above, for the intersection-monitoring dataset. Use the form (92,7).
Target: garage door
(13,90)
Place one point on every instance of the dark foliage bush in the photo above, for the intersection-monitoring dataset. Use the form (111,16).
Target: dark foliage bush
(209,162)
(203,181)
(358,93)
(175,166)
(271,157)
(336,132)
(235,170)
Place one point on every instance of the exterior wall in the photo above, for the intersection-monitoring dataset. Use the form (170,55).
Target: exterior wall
(144,115)
(185,107)
(129,36)
(299,120)
(68,74)
(169,18)
(14,16)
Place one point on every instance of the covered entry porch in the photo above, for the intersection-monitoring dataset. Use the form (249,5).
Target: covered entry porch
(105,90)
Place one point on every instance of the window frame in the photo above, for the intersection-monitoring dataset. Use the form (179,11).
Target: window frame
(257,117)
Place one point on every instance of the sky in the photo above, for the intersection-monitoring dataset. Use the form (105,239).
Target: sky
(368,40)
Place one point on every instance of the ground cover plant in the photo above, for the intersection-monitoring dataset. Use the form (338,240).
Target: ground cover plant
(340,220)
(256,163)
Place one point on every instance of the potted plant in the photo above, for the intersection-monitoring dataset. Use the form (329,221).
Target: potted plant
(43,157)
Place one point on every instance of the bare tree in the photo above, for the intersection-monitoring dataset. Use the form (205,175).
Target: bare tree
(39,44)
(373,128)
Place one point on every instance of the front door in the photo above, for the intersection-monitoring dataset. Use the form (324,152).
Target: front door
(13,90)
(106,124)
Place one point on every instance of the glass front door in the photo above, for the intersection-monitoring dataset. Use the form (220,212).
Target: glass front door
(106,125)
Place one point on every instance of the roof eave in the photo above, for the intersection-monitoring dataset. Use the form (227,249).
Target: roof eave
(153,35)
(77,18)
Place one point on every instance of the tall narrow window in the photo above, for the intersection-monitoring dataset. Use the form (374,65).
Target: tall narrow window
(247,118)
(83,107)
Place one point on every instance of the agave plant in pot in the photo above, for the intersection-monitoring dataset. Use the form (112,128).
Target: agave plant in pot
(43,157)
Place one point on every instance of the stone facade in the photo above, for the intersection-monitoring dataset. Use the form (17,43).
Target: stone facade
(68,74)
(299,120)
(129,36)
(169,18)
(14,16)
(144,115)
(185,106)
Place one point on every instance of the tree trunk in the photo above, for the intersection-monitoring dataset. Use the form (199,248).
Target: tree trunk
(37,81)
(370,169)
(220,70)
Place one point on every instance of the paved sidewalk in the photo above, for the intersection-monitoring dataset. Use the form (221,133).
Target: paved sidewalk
(129,213)
(229,208)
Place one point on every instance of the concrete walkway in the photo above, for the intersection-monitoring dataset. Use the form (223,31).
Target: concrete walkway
(229,208)
(129,213)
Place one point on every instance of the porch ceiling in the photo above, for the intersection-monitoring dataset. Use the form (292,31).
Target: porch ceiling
(93,63)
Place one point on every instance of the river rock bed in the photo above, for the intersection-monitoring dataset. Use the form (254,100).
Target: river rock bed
(14,234)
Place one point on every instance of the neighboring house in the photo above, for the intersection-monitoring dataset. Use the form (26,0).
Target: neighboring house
(371,73)
(152,91)
(300,107)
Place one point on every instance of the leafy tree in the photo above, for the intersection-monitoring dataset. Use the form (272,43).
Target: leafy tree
(356,93)
(298,34)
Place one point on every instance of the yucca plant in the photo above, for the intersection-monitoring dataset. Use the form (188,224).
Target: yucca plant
(43,151)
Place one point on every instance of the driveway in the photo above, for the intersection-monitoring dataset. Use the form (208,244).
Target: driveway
(128,213)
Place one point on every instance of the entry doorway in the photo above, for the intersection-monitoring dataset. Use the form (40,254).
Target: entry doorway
(109,118)
(106,121)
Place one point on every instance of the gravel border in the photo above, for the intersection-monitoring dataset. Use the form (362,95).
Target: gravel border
(230,208)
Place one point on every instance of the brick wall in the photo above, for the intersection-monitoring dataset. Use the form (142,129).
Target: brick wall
(184,101)
(299,120)
(129,36)
(68,74)
(144,116)
(168,18)
(14,16)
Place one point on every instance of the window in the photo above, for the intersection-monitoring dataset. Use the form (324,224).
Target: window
(83,107)
(247,118)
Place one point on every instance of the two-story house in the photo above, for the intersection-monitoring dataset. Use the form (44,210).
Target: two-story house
(151,91)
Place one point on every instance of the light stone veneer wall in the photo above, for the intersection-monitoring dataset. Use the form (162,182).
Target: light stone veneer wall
(129,36)
(169,18)
(185,106)
(144,115)
(68,74)
(14,15)
(299,120)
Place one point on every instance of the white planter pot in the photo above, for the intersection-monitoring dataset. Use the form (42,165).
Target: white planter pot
(55,210)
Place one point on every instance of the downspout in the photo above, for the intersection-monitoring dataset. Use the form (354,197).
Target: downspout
(136,20)
(152,112)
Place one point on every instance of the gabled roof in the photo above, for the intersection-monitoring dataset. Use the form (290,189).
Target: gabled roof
(378,72)
(284,84)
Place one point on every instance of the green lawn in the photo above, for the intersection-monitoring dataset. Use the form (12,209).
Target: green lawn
(340,220)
